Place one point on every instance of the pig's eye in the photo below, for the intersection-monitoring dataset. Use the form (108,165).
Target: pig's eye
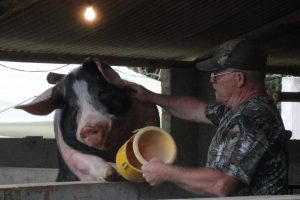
(100,92)
(74,107)
(117,102)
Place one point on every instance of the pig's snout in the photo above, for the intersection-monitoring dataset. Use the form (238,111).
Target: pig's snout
(89,131)
(94,134)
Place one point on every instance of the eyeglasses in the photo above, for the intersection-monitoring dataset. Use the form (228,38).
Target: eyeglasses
(213,76)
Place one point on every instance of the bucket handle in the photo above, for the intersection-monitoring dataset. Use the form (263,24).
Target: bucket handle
(124,165)
(135,131)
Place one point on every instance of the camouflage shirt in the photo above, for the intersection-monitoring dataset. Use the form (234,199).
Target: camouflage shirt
(249,145)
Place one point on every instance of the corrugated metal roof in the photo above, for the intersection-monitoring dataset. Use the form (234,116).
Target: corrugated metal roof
(146,31)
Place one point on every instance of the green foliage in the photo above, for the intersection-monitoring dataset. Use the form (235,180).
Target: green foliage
(153,73)
(273,85)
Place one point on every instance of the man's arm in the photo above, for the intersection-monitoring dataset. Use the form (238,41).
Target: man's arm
(205,181)
(187,108)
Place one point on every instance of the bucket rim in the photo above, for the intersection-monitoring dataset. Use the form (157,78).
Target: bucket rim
(138,135)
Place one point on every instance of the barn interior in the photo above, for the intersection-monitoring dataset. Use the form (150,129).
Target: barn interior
(167,35)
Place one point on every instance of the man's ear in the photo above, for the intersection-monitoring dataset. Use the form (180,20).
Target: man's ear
(241,79)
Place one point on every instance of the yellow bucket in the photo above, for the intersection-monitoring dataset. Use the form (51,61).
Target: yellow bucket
(146,143)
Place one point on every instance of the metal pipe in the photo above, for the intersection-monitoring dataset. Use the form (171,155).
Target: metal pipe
(286,96)
(54,78)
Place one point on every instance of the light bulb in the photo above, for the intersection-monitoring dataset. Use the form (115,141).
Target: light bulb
(89,13)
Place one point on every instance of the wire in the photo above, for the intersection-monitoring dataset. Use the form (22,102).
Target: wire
(17,104)
(33,70)
(141,76)
(60,68)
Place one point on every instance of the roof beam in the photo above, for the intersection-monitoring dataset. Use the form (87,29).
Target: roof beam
(79,58)
(125,61)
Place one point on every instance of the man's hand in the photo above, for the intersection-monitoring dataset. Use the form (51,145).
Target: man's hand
(205,181)
(153,171)
(136,91)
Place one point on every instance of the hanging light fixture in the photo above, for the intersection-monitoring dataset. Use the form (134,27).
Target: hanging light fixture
(89,13)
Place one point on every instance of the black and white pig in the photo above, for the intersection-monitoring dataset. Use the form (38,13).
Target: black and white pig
(93,119)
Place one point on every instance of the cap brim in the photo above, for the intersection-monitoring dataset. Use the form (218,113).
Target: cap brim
(208,65)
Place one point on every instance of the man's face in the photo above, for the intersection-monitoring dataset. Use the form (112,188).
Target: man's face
(224,84)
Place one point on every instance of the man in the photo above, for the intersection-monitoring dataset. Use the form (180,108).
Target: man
(246,155)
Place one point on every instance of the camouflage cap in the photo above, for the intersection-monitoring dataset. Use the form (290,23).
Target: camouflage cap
(238,54)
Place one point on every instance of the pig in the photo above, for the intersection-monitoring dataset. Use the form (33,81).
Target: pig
(94,117)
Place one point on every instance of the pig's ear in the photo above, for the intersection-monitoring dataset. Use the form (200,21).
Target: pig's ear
(43,104)
(108,73)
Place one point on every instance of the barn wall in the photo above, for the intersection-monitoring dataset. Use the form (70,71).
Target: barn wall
(36,152)
(28,168)
(33,152)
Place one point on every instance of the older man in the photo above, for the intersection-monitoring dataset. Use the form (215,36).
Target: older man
(246,156)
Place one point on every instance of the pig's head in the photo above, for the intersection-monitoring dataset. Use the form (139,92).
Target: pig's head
(90,105)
